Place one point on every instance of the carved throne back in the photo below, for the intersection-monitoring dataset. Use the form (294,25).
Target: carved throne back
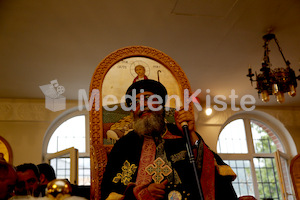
(108,119)
(295,174)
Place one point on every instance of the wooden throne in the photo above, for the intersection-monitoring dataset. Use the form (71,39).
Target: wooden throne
(295,174)
(112,77)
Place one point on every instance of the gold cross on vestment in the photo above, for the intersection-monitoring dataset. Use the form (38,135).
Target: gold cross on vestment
(127,171)
(159,170)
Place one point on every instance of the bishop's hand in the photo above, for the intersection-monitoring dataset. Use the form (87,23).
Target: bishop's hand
(157,190)
(186,116)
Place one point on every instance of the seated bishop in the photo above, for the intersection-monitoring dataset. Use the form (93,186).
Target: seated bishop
(152,162)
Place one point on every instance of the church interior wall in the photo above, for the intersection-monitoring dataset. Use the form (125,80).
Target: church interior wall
(24,122)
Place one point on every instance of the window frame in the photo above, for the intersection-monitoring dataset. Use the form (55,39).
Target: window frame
(274,124)
(66,115)
(276,127)
(71,153)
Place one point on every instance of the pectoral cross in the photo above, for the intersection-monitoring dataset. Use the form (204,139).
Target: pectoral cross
(159,170)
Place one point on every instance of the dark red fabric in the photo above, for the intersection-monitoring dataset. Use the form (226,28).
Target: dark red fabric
(208,174)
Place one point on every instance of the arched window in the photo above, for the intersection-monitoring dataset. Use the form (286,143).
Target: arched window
(70,129)
(257,155)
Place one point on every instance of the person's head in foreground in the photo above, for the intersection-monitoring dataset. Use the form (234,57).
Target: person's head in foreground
(28,180)
(8,178)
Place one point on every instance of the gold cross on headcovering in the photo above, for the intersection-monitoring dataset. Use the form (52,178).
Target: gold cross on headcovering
(158,169)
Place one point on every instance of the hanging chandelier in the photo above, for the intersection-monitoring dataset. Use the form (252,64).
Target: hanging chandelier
(275,81)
